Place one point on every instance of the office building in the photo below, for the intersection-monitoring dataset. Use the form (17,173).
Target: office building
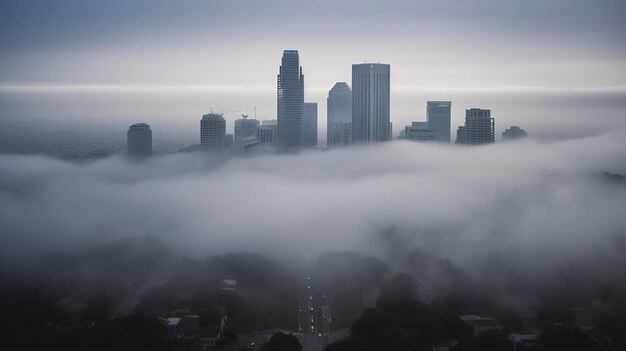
(339,134)
(419,131)
(479,128)
(513,133)
(290,103)
(370,103)
(213,132)
(338,113)
(139,140)
(309,127)
(266,134)
(438,116)
(245,127)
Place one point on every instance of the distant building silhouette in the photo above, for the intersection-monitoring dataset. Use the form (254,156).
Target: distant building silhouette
(419,131)
(479,128)
(245,127)
(438,116)
(213,133)
(290,103)
(339,115)
(310,124)
(370,103)
(139,140)
(513,133)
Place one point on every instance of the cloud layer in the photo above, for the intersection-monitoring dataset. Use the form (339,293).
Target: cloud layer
(537,204)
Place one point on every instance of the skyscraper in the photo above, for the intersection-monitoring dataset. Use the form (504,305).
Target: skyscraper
(513,133)
(290,103)
(438,118)
(479,128)
(339,115)
(310,124)
(213,132)
(139,140)
(370,103)
(245,127)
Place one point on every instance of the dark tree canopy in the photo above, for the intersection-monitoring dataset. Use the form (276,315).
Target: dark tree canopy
(565,338)
(282,342)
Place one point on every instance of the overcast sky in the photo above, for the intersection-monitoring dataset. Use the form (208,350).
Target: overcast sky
(557,43)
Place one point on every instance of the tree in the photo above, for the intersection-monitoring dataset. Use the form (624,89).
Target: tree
(565,338)
(282,342)
(492,341)
(398,293)
(353,343)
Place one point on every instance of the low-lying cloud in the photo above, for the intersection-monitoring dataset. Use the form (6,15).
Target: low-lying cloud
(535,205)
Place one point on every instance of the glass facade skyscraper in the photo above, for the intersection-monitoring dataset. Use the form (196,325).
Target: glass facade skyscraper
(438,116)
(370,103)
(290,103)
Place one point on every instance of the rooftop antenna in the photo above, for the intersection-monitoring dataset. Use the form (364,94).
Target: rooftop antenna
(254,112)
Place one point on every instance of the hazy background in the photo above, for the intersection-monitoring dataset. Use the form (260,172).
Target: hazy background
(557,69)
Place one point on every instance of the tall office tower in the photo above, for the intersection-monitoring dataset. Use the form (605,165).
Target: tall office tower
(213,132)
(370,103)
(513,133)
(338,113)
(290,103)
(309,127)
(438,118)
(245,127)
(266,134)
(339,134)
(479,128)
(419,131)
(139,140)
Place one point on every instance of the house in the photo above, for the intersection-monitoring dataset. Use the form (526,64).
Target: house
(445,345)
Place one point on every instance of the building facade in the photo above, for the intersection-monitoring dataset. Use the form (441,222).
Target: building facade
(213,132)
(513,133)
(419,131)
(339,134)
(139,140)
(438,116)
(338,114)
(479,128)
(290,103)
(245,127)
(310,124)
(370,103)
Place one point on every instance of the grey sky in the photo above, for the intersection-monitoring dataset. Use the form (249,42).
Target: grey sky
(560,43)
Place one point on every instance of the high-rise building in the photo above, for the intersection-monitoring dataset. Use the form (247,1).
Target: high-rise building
(309,127)
(339,134)
(245,127)
(213,132)
(438,118)
(370,103)
(479,128)
(139,140)
(513,133)
(419,131)
(338,113)
(266,135)
(290,103)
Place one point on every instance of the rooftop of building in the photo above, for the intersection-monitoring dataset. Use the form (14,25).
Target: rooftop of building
(213,117)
